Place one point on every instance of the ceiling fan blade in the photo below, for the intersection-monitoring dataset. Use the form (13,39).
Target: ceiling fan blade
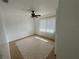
(38,15)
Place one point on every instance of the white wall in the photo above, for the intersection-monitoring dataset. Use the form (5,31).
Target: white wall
(67,42)
(45,34)
(18,24)
(4,46)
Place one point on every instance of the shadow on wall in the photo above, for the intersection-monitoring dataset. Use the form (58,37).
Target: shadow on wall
(0,56)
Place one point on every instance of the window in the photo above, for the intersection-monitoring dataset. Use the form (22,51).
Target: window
(48,25)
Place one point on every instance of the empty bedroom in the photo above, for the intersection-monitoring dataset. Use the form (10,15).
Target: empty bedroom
(39,29)
(29,28)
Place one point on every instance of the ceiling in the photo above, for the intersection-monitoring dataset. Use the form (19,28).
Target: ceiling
(43,7)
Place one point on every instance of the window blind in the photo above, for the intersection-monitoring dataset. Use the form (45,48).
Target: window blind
(48,25)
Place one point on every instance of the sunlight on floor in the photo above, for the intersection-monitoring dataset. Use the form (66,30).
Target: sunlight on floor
(41,39)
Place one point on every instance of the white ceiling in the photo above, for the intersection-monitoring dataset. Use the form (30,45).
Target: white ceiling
(43,7)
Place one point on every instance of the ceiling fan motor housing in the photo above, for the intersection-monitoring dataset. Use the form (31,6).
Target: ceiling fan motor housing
(33,14)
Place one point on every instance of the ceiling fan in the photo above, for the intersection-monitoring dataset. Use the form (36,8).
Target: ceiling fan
(33,15)
(32,12)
